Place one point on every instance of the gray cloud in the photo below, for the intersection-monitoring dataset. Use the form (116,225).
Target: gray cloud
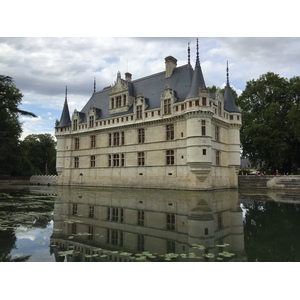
(43,67)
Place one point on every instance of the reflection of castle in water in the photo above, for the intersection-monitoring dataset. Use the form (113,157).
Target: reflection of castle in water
(120,224)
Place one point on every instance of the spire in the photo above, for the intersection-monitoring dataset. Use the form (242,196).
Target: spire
(65,119)
(66,94)
(197,80)
(189,55)
(94,85)
(229,102)
(197,57)
(227,74)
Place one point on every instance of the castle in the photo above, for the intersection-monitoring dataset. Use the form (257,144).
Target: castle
(166,131)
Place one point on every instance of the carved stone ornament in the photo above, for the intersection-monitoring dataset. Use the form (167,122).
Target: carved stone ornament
(119,86)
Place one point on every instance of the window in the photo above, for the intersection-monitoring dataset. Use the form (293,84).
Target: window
(76,143)
(76,162)
(170,132)
(118,101)
(74,210)
(217,158)
(112,103)
(204,101)
(116,138)
(74,228)
(203,151)
(93,141)
(217,133)
(116,160)
(140,242)
(93,161)
(203,127)
(205,231)
(219,221)
(115,214)
(91,211)
(75,123)
(139,110)
(170,246)
(141,158)
(167,106)
(219,108)
(91,121)
(170,157)
(109,139)
(122,138)
(114,237)
(171,221)
(91,233)
(140,217)
(141,136)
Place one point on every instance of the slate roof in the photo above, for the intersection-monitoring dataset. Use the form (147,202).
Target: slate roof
(65,119)
(229,102)
(150,87)
(185,82)
(197,81)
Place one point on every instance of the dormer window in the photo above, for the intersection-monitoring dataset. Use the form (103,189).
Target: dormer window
(167,106)
(120,99)
(75,124)
(139,112)
(91,121)
(168,98)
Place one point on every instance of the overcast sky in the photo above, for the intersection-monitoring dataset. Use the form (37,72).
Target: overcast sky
(42,67)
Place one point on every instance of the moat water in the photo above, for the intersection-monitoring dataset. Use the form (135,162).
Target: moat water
(62,224)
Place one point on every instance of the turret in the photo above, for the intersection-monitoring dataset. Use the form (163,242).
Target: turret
(198,79)
(65,120)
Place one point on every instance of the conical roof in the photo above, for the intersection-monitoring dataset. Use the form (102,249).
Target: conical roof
(229,102)
(198,79)
(65,119)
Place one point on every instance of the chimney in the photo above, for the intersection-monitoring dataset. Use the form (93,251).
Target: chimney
(171,64)
(128,77)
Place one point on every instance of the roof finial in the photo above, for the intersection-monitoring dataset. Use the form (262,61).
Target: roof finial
(66,93)
(197,58)
(94,85)
(227,73)
(189,55)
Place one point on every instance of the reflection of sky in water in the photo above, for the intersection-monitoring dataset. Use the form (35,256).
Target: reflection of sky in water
(34,242)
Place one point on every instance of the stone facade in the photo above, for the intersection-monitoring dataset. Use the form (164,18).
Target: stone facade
(165,131)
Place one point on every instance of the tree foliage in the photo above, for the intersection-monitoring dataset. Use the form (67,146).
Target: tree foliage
(270,134)
(38,154)
(34,155)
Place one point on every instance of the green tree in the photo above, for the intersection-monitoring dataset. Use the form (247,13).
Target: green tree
(270,108)
(38,154)
(10,126)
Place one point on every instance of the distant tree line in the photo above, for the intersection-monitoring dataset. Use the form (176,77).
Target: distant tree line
(36,153)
